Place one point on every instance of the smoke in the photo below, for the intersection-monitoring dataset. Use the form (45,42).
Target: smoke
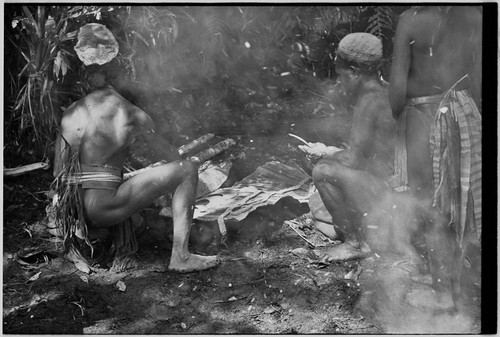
(424,321)
(392,223)
(398,291)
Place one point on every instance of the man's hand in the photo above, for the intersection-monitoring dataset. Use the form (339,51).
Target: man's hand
(161,148)
(314,150)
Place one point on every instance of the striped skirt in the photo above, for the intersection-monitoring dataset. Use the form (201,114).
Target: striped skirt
(455,145)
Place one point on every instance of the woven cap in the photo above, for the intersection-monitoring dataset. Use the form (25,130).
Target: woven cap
(361,48)
(96,44)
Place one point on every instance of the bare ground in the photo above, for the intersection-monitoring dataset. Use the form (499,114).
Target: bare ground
(269,281)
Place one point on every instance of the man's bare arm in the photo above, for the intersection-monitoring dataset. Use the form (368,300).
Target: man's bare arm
(162,149)
(400,65)
(362,134)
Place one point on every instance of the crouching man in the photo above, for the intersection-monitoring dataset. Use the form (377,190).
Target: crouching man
(353,181)
(90,153)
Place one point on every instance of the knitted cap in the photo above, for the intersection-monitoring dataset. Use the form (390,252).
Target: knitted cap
(361,48)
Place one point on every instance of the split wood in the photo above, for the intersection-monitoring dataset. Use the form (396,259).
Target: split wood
(199,158)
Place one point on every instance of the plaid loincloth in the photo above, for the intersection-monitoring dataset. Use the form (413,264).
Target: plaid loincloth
(455,146)
(68,210)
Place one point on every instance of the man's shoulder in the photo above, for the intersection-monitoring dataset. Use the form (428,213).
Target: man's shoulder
(378,95)
(418,15)
(410,15)
(76,108)
(374,102)
(84,107)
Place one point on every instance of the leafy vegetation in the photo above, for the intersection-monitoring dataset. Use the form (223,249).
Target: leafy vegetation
(188,61)
(41,38)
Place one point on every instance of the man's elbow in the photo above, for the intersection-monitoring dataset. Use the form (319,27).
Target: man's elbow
(397,103)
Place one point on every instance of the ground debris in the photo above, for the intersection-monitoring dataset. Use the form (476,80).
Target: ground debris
(300,252)
(120,285)
(271,309)
(276,287)
(354,274)
(231,299)
(35,277)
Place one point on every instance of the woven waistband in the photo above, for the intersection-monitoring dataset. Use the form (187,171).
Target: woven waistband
(430,99)
(95,176)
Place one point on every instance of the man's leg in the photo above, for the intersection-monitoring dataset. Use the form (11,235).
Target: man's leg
(347,194)
(104,208)
(439,237)
(326,179)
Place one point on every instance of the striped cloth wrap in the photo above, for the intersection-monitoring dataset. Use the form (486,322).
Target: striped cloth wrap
(455,145)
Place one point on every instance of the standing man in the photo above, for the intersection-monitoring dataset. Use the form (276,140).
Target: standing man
(435,91)
(90,153)
(353,181)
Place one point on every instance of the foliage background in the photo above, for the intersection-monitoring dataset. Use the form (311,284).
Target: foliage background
(195,69)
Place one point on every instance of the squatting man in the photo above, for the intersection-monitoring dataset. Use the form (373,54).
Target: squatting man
(90,153)
(351,181)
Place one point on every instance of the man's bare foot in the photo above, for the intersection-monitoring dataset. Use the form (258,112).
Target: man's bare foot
(344,252)
(326,228)
(192,263)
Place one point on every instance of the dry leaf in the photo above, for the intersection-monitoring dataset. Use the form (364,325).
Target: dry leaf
(269,310)
(35,277)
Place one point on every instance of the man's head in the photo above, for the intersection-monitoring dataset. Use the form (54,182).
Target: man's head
(357,54)
(96,76)
(112,73)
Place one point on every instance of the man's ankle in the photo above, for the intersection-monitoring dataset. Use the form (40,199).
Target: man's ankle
(353,242)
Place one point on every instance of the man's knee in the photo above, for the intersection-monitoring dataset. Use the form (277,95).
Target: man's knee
(326,171)
(184,169)
(188,168)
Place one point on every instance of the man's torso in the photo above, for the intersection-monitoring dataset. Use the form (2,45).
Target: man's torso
(442,49)
(100,126)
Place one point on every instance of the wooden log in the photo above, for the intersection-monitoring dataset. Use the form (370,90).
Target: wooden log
(195,143)
(13,172)
(204,155)
(199,158)
(129,175)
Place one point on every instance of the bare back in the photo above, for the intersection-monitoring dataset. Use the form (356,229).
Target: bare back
(373,131)
(101,125)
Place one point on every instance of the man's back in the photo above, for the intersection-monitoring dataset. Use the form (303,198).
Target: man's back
(445,44)
(99,126)
(373,130)
(382,144)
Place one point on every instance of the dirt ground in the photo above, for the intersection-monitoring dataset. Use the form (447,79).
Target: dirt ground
(269,280)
